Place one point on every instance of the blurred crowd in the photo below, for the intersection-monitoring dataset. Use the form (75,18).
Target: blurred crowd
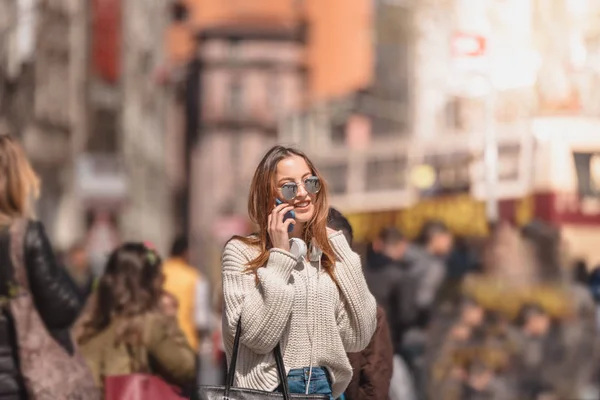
(507,319)
(515,321)
(510,317)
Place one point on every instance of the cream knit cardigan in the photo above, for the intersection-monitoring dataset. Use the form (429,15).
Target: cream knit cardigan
(298,305)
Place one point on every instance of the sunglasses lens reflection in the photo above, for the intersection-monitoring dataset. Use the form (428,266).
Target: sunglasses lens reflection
(312,185)
(289,191)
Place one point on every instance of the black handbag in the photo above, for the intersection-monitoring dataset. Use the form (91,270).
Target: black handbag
(228,392)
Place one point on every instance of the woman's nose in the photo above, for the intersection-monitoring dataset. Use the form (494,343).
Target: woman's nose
(301,191)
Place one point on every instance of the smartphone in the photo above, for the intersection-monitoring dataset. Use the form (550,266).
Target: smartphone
(288,215)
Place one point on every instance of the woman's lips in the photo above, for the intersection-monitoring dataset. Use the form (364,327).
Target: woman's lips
(302,205)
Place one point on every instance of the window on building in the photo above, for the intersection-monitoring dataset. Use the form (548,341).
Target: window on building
(386,174)
(452,172)
(453,114)
(338,134)
(337,177)
(392,72)
(235,107)
(179,12)
(274,97)
(104,131)
(234,50)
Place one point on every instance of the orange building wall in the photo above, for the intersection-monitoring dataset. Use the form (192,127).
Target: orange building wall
(340,41)
(340,49)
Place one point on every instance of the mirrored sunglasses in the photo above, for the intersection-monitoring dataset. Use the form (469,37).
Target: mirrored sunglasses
(289,190)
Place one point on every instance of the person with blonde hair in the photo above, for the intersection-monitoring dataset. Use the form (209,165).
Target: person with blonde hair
(19,184)
(55,301)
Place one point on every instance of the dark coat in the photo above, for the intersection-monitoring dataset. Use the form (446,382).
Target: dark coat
(55,300)
(385,278)
(83,290)
(373,367)
(425,274)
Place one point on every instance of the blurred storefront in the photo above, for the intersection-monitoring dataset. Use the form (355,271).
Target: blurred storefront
(551,173)
(406,183)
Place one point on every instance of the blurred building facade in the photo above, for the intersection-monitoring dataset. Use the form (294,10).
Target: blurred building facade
(365,140)
(533,60)
(143,142)
(115,150)
(339,51)
(84,87)
(16,68)
(250,64)
(44,77)
(376,92)
(250,72)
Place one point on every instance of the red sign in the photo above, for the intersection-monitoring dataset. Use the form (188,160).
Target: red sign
(556,208)
(106,39)
(468,45)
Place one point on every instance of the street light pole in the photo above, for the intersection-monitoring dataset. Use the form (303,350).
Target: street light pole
(491,156)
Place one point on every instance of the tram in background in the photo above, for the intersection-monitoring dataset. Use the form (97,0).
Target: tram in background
(548,170)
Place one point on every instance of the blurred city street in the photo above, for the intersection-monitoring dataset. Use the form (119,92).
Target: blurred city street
(461,131)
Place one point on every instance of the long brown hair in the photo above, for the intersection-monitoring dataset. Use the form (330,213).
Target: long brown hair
(262,200)
(18,182)
(130,288)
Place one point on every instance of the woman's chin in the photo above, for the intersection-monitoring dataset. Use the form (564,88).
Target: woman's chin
(304,217)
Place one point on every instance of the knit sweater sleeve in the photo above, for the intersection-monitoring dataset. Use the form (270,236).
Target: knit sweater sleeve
(265,307)
(357,310)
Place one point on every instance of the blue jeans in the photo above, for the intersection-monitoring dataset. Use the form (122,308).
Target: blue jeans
(319,381)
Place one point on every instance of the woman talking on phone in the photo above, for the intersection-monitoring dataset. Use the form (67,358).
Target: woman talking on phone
(294,283)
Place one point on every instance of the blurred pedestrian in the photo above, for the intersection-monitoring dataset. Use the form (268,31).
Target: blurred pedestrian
(295,283)
(78,271)
(427,264)
(372,368)
(192,292)
(584,300)
(53,298)
(387,279)
(337,222)
(128,331)
(169,304)
(461,261)
(520,333)
(594,285)
(425,270)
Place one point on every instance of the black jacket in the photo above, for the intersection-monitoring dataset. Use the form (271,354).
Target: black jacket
(425,274)
(373,367)
(55,300)
(385,279)
(83,291)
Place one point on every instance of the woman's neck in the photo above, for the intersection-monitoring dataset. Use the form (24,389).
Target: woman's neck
(298,230)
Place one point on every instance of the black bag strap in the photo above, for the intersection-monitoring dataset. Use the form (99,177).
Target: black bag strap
(234,356)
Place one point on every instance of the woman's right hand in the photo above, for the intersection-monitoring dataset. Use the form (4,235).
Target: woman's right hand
(278,229)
